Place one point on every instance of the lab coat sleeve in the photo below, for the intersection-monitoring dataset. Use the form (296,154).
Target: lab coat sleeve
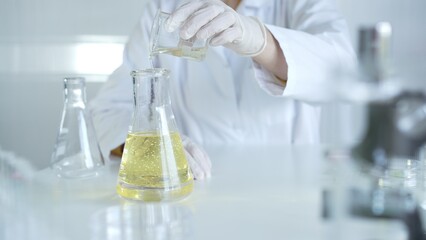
(315,41)
(112,108)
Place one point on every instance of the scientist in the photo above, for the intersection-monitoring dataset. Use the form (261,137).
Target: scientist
(265,67)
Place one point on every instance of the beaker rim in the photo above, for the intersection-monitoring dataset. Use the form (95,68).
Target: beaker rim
(151,72)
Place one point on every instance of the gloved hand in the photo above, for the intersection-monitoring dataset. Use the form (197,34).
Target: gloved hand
(213,19)
(198,160)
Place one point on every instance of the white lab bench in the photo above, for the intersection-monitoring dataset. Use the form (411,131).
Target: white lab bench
(269,192)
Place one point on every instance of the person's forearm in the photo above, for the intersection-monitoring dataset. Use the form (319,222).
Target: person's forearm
(272,58)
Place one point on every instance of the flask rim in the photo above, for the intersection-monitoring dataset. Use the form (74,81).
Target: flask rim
(155,72)
(74,80)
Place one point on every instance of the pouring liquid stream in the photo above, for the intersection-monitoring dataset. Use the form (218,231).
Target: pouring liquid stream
(153,60)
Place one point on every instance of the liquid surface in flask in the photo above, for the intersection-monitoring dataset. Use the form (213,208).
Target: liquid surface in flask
(195,53)
(142,171)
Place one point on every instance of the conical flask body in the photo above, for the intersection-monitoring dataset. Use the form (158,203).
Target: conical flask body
(154,166)
(76,153)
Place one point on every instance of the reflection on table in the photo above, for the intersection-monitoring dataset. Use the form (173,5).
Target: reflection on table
(255,192)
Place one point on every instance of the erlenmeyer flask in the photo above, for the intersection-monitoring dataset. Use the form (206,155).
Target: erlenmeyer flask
(76,153)
(154,166)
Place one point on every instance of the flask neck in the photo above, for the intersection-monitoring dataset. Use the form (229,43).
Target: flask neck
(152,105)
(75,91)
(151,92)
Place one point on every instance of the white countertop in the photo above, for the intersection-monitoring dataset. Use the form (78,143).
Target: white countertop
(254,193)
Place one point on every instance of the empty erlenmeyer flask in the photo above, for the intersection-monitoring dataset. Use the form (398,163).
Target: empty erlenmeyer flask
(154,166)
(76,153)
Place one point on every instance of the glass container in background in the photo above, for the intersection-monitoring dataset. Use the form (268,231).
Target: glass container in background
(165,42)
(76,153)
(154,166)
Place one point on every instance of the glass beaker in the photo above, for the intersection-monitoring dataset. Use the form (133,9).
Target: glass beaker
(154,166)
(76,153)
(163,41)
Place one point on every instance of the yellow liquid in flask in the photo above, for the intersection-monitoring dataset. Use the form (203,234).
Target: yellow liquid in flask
(197,54)
(154,168)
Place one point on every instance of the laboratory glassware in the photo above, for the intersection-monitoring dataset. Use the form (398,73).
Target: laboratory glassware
(165,42)
(76,153)
(154,166)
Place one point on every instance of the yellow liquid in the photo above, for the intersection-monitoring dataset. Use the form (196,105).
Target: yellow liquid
(154,168)
(197,54)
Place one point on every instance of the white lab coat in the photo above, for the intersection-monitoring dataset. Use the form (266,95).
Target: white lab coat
(228,98)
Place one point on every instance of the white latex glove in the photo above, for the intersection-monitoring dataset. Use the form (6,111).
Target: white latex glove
(198,160)
(214,19)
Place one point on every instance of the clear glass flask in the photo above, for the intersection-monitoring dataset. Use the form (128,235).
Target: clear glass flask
(76,153)
(154,166)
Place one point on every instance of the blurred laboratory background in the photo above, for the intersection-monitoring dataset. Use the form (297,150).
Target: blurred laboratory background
(43,41)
